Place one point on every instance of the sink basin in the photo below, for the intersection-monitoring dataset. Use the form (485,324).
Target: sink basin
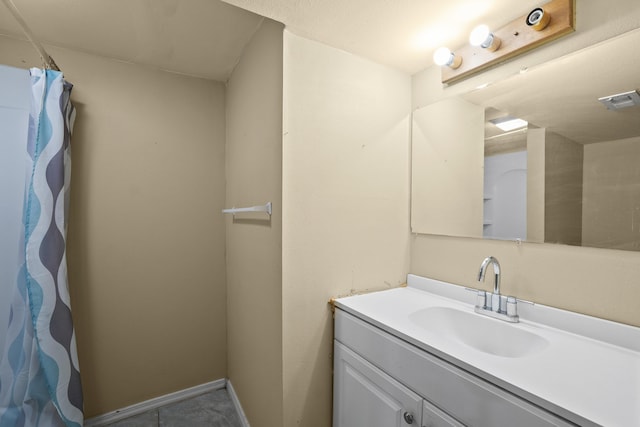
(482,333)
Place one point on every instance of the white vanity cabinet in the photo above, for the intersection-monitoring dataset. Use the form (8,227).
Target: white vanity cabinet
(367,397)
(383,381)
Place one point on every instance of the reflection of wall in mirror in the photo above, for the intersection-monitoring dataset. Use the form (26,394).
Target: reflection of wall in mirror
(554,188)
(535,184)
(583,195)
(447,152)
(611,214)
(563,190)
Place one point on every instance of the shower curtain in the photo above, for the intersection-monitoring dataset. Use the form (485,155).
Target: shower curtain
(39,373)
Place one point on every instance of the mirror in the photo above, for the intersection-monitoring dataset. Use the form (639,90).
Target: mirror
(571,175)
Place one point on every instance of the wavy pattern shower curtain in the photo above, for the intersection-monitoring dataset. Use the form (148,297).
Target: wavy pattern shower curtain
(39,373)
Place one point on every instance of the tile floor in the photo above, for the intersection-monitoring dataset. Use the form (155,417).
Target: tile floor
(212,409)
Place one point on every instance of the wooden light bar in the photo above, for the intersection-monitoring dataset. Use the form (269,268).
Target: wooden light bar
(517,37)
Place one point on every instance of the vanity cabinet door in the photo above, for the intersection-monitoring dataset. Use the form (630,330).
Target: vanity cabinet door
(364,396)
(434,417)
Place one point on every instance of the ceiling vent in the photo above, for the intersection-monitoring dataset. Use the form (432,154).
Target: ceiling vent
(622,100)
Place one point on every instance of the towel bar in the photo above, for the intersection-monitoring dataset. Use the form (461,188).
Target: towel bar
(261,208)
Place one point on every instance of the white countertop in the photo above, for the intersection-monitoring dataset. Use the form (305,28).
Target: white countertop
(596,380)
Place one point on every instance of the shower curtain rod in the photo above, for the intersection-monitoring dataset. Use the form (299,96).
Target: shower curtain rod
(47,60)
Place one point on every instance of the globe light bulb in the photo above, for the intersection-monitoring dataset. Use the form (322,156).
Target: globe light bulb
(483,37)
(479,35)
(443,56)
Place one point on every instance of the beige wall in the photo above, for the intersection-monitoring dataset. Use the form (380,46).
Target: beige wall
(345,205)
(146,241)
(254,242)
(611,207)
(597,282)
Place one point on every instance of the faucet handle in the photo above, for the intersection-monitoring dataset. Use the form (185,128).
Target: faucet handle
(496,303)
(512,307)
(481,299)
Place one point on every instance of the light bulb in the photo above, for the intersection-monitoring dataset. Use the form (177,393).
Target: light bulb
(444,56)
(483,37)
(479,35)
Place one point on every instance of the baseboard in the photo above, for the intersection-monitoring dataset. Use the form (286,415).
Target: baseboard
(236,402)
(148,405)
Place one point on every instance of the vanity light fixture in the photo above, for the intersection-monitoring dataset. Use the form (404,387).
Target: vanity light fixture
(483,37)
(509,123)
(555,19)
(443,56)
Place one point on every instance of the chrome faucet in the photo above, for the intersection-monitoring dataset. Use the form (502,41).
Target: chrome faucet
(494,304)
(496,272)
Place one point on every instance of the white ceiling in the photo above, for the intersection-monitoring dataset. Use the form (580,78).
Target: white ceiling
(205,38)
